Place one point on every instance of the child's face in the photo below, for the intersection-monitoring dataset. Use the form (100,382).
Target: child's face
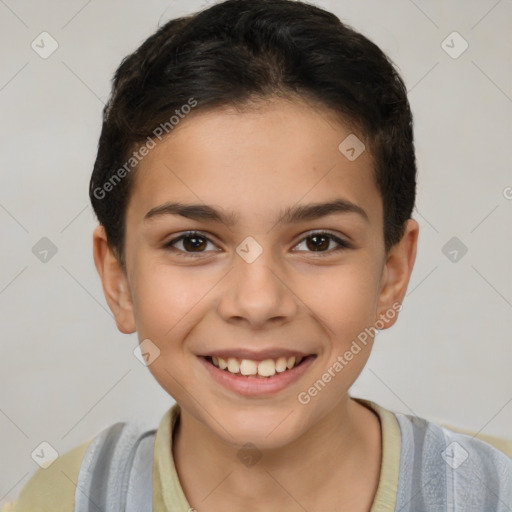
(191,304)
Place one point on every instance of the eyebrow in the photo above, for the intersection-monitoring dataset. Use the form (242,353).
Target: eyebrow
(293,214)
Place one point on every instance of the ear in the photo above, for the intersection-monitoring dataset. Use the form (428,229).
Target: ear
(396,274)
(114,282)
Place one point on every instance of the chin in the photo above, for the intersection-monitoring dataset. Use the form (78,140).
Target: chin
(268,430)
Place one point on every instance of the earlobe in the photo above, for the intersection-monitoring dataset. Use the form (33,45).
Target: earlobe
(114,282)
(397,273)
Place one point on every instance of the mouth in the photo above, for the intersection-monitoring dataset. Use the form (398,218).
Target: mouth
(256,378)
(264,369)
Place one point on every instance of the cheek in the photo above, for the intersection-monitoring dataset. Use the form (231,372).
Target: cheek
(345,299)
(162,297)
(346,302)
(166,302)
(169,300)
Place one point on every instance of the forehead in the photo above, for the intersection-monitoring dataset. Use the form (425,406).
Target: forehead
(255,161)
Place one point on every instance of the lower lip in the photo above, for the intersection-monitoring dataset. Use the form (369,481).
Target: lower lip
(257,386)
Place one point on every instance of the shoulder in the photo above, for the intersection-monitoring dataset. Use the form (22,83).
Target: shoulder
(101,468)
(422,432)
(52,489)
(445,468)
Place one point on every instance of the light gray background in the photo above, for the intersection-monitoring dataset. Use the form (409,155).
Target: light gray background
(66,372)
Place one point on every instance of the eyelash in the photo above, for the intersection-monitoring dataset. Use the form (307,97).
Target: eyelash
(342,244)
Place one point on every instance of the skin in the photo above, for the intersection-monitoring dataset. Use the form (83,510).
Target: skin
(325,455)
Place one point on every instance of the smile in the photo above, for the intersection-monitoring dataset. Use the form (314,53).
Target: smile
(266,368)
(256,378)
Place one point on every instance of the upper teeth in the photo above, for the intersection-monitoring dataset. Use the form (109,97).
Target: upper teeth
(265,368)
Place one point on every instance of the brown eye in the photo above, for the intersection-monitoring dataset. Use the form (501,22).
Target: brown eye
(320,242)
(317,242)
(191,243)
(194,243)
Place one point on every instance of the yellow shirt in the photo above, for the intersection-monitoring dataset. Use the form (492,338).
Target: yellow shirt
(53,489)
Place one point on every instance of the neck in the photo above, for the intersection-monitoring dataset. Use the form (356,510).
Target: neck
(340,454)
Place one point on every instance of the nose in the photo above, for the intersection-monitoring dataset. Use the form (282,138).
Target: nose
(258,293)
